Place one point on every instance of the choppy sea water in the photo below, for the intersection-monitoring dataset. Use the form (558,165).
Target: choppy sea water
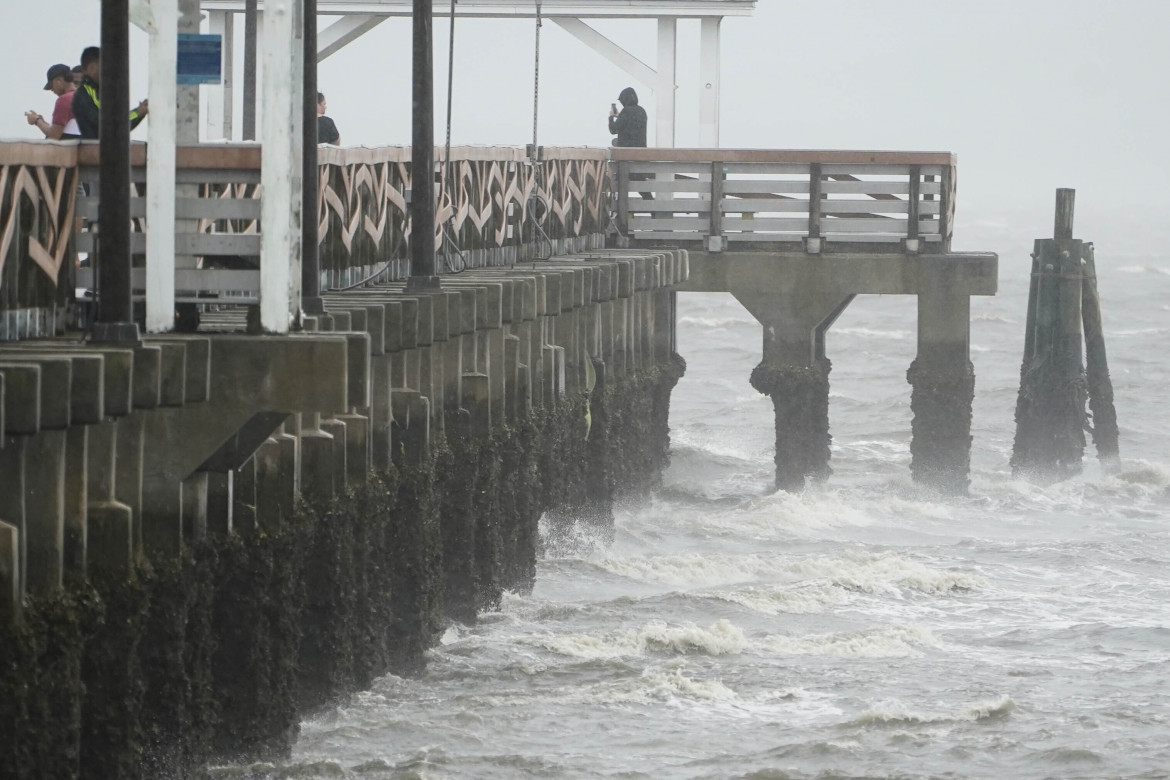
(863,628)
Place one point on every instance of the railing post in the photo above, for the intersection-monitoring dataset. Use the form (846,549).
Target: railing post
(422,158)
(813,243)
(945,205)
(623,198)
(911,242)
(115,315)
(716,241)
(311,302)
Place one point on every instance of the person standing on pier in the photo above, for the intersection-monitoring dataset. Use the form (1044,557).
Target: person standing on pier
(630,128)
(87,103)
(327,132)
(630,124)
(59,81)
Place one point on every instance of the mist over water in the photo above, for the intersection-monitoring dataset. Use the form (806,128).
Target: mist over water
(863,628)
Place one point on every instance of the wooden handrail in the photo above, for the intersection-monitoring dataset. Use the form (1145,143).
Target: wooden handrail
(795,156)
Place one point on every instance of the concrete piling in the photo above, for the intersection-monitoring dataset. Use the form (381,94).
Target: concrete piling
(395,461)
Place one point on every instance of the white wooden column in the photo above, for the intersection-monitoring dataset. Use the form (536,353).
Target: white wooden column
(664,90)
(280,204)
(709,74)
(220,96)
(160,167)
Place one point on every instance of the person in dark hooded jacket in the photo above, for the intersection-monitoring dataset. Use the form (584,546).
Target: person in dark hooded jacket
(630,125)
(630,128)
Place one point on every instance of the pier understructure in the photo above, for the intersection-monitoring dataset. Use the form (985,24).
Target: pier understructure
(795,236)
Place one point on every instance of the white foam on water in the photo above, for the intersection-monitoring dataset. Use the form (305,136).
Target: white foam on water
(655,684)
(894,711)
(721,638)
(885,573)
(885,642)
(872,333)
(715,322)
(775,599)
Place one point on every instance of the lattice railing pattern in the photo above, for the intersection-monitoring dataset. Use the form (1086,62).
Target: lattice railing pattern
(484,197)
(38,201)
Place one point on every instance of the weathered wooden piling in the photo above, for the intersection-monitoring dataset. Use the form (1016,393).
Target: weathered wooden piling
(1050,411)
(1100,386)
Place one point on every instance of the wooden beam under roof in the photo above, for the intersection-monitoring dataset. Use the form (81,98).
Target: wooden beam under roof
(526,9)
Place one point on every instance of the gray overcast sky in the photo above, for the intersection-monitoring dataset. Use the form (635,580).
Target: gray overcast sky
(1031,94)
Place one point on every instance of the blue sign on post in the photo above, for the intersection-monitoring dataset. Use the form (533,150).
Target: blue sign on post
(200,59)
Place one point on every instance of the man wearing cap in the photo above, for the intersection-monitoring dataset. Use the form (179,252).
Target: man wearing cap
(59,80)
(87,102)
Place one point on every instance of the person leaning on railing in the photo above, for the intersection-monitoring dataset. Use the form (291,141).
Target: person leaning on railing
(59,81)
(87,103)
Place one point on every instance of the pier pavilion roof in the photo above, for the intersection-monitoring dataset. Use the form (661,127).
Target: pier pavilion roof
(596,9)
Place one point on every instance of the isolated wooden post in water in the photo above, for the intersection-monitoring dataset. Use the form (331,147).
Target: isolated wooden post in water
(1050,411)
(1097,366)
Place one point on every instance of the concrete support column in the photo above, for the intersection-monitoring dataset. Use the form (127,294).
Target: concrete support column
(496,369)
(76,500)
(381,380)
(277,464)
(109,522)
(194,507)
(411,432)
(45,510)
(244,498)
(12,509)
(800,400)
(128,482)
(337,429)
(452,368)
(268,502)
(220,502)
(943,382)
(318,485)
(794,373)
(10,586)
(357,446)
(663,324)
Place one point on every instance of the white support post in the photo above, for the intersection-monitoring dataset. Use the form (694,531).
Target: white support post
(280,204)
(665,89)
(345,31)
(160,168)
(709,70)
(214,93)
(229,76)
(639,70)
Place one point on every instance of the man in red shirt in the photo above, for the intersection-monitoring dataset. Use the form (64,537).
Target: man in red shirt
(59,80)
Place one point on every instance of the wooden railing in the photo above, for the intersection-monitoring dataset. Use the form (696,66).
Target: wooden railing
(38,184)
(810,200)
(495,206)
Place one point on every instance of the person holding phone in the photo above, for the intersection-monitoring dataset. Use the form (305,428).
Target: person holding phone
(629,125)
